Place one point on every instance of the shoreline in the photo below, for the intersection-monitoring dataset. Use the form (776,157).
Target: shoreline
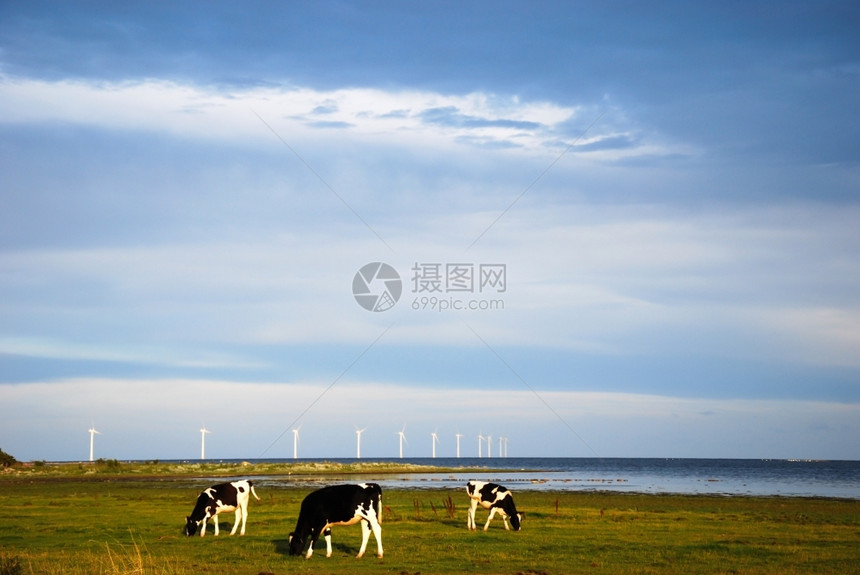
(404,477)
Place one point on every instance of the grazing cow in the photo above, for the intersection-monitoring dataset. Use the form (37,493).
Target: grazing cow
(217,499)
(338,505)
(495,498)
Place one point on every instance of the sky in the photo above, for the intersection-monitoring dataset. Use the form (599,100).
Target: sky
(596,229)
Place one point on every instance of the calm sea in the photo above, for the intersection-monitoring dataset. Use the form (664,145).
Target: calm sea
(777,477)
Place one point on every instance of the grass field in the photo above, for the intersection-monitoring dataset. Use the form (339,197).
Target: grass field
(118,523)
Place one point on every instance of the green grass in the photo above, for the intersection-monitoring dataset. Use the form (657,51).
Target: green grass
(126,525)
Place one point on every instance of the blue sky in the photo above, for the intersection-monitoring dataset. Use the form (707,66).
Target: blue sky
(672,190)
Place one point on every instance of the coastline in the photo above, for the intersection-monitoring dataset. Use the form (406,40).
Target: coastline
(790,478)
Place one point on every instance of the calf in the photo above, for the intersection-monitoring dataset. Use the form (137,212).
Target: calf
(495,498)
(231,496)
(338,505)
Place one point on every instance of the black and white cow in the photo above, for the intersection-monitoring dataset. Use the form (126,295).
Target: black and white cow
(495,498)
(338,505)
(217,499)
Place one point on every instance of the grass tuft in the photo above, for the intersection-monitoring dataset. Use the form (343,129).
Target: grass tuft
(131,559)
(10,565)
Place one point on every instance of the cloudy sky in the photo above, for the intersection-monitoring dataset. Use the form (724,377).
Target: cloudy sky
(619,229)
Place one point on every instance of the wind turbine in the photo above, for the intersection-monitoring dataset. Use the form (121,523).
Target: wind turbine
(296,442)
(358,433)
(203,432)
(501,444)
(489,446)
(93,433)
(402,434)
(434,440)
(480,444)
(459,435)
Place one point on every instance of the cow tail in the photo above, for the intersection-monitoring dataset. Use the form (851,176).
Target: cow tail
(379,508)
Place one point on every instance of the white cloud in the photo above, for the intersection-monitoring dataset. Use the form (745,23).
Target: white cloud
(401,118)
(605,281)
(817,335)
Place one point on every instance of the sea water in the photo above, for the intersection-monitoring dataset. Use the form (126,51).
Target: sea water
(761,477)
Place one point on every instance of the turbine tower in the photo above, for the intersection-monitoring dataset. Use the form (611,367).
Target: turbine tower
(402,434)
(296,442)
(434,440)
(480,444)
(489,446)
(358,433)
(203,432)
(93,433)
(459,435)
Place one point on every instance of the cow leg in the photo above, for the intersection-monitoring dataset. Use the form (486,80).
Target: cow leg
(327,535)
(244,518)
(470,517)
(238,517)
(377,534)
(203,527)
(314,536)
(490,518)
(241,515)
(365,536)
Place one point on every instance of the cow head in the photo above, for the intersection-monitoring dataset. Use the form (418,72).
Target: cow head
(516,521)
(297,544)
(190,526)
